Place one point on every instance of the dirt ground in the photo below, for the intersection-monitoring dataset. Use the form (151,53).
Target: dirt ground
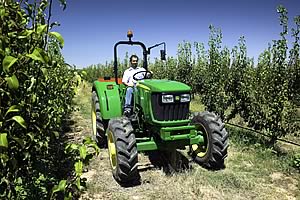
(251,173)
(242,178)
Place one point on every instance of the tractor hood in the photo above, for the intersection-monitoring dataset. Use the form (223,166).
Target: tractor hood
(158,85)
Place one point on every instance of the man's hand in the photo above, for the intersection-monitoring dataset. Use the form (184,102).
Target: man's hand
(131,84)
(149,75)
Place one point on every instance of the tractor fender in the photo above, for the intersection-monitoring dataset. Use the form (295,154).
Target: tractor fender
(109,99)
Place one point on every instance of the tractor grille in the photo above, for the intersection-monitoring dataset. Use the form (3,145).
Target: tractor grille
(170,111)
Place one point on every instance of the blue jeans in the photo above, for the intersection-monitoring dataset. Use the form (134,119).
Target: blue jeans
(128,97)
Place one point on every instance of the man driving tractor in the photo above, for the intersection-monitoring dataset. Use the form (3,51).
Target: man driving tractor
(159,118)
(129,81)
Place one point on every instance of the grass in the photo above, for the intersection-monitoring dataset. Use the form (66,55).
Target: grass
(83,100)
(253,171)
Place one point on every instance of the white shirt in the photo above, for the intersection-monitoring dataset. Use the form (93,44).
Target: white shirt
(128,75)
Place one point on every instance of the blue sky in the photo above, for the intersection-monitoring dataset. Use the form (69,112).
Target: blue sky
(92,27)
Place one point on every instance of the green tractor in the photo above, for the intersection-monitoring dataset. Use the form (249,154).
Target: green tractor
(161,120)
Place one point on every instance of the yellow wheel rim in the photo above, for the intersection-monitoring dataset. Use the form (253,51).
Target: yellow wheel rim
(94,126)
(201,149)
(112,150)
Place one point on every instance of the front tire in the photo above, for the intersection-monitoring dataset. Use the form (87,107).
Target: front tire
(212,152)
(122,149)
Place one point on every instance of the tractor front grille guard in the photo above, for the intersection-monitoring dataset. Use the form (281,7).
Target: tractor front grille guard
(168,111)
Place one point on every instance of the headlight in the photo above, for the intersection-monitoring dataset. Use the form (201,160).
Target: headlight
(185,98)
(168,98)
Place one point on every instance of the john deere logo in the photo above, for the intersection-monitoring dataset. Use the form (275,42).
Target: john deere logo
(177,98)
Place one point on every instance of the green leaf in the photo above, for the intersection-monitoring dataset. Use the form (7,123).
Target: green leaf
(78,183)
(71,147)
(12,34)
(87,140)
(19,180)
(60,187)
(45,72)
(41,28)
(56,134)
(13,82)
(19,141)
(58,37)
(13,108)
(91,144)
(78,168)
(19,120)
(3,140)
(26,33)
(30,135)
(36,55)
(7,50)
(7,62)
(33,98)
(82,151)
(44,55)
(2,12)
(83,73)
(32,80)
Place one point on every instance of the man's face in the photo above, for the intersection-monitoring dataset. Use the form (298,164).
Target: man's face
(134,62)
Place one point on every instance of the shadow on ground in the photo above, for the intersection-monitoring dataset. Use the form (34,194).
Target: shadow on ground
(170,162)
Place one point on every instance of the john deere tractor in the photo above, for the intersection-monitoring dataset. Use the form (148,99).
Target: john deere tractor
(160,120)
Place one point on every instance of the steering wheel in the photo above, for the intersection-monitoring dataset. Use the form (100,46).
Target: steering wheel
(147,75)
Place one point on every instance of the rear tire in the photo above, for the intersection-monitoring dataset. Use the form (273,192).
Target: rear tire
(97,122)
(122,151)
(212,153)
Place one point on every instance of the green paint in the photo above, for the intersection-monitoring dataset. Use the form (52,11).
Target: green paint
(172,137)
(173,134)
(177,133)
(147,146)
(167,145)
(156,85)
(143,99)
(109,99)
